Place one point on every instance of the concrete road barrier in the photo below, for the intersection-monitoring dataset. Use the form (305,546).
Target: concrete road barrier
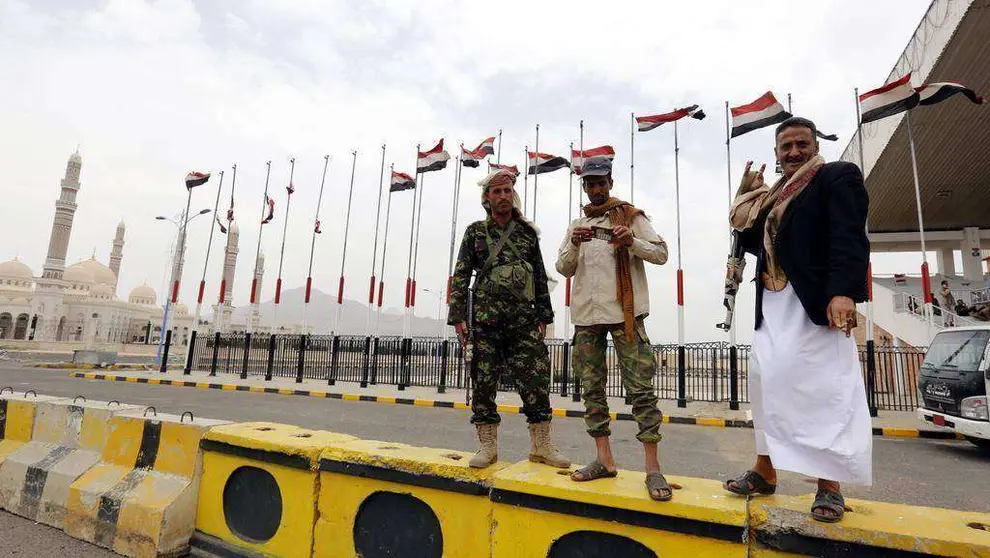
(540,512)
(68,438)
(781,526)
(17,412)
(388,499)
(140,499)
(258,491)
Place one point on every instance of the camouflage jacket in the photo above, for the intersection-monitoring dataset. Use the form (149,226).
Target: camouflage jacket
(492,308)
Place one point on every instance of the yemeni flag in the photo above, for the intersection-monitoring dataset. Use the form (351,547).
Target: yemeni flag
(540,163)
(761,113)
(223,229)
(511,168)
(271,210)
(896,96)
(317,229)
(194,179)
(291,189)
(932,93)
(401,181)
(474,157)
(432,160)
(647,123)
(577,159)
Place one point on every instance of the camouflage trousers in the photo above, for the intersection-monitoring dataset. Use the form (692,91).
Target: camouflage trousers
(638,369)
(525,354)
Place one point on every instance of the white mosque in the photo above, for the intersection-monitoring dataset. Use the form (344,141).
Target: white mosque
(79,303)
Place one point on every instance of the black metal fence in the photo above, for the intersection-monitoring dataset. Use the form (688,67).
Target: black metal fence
(715,372)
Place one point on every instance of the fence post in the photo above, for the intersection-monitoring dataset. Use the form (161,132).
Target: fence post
(365,365)
(406,352)
(733,378)
(374,361)
(681,378)
(715,375)
(334,346)
(247,354)
(565,370)
(271,357)
(168,342)
(303,339)
(442,388)
(216,353)
(871,377)
(190,353)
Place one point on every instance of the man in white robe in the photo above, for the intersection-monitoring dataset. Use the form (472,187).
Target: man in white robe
(808,232)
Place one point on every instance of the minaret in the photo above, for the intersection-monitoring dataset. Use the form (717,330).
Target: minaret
(117,253)
(222,312)
(259,274)
(65,209)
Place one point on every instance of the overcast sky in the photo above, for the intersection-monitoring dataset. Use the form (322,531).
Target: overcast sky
(151,90)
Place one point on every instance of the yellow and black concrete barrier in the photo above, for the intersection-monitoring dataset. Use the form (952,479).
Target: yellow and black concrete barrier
(388,499)
(140,499)
(17,413)
(259,489)
(67,438)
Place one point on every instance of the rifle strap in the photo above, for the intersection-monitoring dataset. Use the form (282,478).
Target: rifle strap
(498,248)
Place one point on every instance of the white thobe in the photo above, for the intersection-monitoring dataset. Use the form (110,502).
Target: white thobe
(806,388)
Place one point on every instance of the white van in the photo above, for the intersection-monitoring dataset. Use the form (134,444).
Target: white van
(954,381)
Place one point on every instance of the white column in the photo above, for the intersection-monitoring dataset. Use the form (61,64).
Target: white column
(971,255)
(945,258)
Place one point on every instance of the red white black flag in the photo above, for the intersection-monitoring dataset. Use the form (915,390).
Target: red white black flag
(474,157)
(540,163)
(291,189)
(223,229)
(194,179)
(432,160)
(577,158)
(317,229)
(647,123)
(761,113)
(271,210)
(897,96)
(511,168)
(401,181)
(932,93)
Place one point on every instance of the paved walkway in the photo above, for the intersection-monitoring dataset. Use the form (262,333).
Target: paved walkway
(889,423)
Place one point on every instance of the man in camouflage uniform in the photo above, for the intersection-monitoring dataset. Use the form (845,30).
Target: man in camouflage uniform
(511,310)
(604,251)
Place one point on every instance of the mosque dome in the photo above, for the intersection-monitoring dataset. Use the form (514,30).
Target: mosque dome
(102,291)
(142,294)
(78,273)
(102,275)
(15,269)
(180,309)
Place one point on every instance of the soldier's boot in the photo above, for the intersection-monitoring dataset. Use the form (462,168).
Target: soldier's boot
(542,449)
(488,453)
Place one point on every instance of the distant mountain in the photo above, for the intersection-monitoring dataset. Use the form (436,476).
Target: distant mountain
(320,316)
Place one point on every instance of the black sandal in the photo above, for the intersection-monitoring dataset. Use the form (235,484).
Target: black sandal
(592,471)
(750,483)
(831,501)
(657,482)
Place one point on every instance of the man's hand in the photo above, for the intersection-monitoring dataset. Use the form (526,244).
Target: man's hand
(461,328)
(542,327)
(842,313)
(623,236)
(751,181)
(580,234)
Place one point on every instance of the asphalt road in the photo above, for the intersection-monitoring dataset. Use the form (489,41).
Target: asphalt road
(947,474)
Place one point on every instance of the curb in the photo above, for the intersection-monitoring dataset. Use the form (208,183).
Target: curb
(568,413)
(125,367)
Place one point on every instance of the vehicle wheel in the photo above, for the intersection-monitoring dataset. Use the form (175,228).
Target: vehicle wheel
(980,443)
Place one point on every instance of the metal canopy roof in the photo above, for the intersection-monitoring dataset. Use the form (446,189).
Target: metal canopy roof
(952,138)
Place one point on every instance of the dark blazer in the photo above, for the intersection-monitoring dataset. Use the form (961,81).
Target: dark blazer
(822,244)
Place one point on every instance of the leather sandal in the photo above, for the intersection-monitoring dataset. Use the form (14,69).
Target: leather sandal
(750,483)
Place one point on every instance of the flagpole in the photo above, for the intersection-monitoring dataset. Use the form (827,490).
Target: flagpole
(453,233)
(728,170)
(374,251)
(219,314)
(536,175)
(257,254)
(381,276)
(412,231)
(281,257)
(526,182)
(632,154)
(570,217)
(680,271)
(312,248)
(498,156)
(419,222)
(870,341)
(581,149)
(789,102)
(202,282)
(925,277)
(343,254)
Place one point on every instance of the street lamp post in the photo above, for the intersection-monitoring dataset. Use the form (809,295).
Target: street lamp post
(439,310)
(177,260)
